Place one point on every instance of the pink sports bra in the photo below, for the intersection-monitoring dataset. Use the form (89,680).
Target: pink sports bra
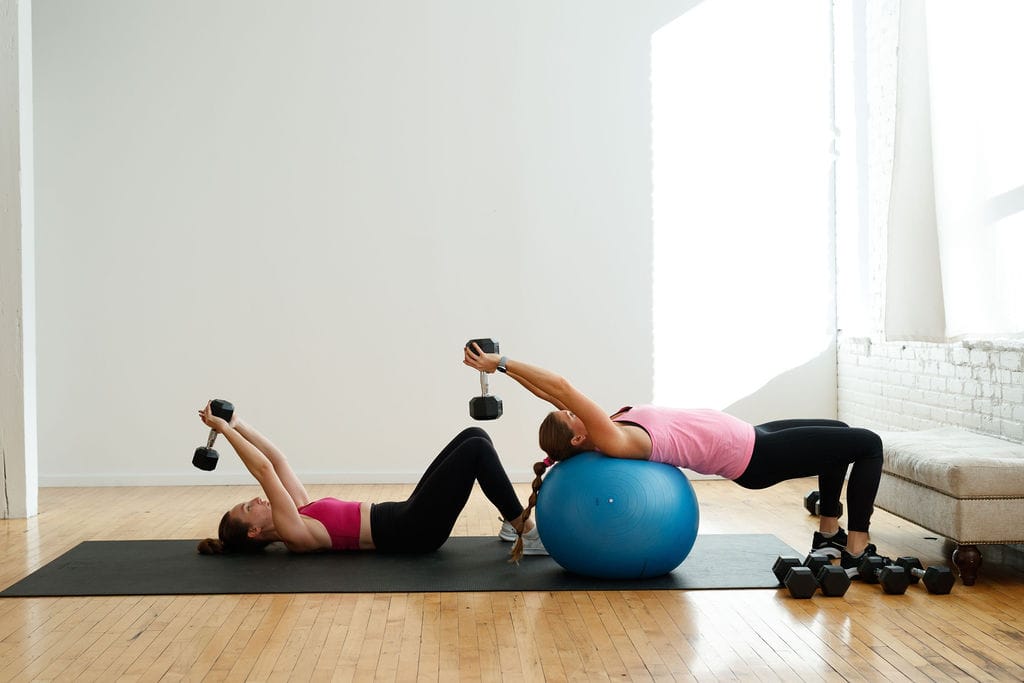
(341,519)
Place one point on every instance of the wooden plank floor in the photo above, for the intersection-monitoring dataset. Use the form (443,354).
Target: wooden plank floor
(976,633)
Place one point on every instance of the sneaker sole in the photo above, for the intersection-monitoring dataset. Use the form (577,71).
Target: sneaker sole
(534,551)
(831,552)
(507,538)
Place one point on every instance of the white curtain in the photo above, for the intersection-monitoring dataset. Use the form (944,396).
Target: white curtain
(955,263)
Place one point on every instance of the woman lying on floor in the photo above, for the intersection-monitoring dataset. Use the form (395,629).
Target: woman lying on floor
(419,524)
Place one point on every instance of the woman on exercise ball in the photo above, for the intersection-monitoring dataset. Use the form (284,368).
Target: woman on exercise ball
(712,442)
(419,524)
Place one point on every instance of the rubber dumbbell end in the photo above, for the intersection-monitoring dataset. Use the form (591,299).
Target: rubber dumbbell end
(811,502)
(800,582)
(894,579)
(833,581)
(938,580)
(225,410)
(783,563)
(485,408)
(815,562)
(486,345)
(205,459)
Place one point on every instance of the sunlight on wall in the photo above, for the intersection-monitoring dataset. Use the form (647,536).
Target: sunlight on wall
(973,91)
(975,56)
(743,247)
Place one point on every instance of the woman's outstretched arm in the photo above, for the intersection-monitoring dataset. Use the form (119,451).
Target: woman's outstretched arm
(288,478)
(287,522)
(605,435)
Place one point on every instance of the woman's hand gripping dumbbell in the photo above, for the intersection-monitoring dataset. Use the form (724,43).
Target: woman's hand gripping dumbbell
(205,458)
(486,406)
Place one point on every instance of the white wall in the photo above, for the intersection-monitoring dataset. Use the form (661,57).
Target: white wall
(744,262)
(307,208)
(18,442)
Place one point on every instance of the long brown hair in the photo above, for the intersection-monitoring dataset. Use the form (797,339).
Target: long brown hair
(556,438)
(233,537)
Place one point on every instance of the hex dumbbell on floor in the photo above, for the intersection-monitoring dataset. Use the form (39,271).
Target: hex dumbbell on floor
(206,458)
(783,563)
(815,562)
(893,579)
(812,503)
(485,406)
(802,582)
(804,578)
(938,580)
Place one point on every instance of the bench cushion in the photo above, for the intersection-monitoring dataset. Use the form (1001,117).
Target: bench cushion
(958,463)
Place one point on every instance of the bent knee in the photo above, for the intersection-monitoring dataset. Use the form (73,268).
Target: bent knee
(474,433)
(871,442)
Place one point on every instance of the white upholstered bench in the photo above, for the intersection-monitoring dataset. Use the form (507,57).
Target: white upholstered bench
(964,486)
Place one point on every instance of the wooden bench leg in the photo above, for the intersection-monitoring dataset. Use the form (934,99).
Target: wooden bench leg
(967,559)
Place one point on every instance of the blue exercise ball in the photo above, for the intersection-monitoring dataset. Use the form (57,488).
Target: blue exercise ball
(615,518)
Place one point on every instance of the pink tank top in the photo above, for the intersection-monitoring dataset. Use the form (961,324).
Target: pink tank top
(341,519)
(705,441)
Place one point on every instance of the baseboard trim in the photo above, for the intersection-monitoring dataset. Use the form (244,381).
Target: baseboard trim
(214,478)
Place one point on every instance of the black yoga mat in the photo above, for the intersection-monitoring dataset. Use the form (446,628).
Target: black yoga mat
(464,563)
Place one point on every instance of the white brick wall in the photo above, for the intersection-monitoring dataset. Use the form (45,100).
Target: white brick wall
(976,385)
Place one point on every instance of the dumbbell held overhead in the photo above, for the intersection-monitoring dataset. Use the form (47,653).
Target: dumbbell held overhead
(205,458)
(485,406)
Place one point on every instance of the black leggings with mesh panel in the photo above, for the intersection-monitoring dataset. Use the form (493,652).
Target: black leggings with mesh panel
(789,449)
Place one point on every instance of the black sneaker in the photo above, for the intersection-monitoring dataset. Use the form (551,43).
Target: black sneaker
(851,562)
(833,547)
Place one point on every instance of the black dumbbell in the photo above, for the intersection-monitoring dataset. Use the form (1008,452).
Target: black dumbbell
(803,577)
(802,582)
(875,569)
(815,561)
(938,580)
(485,406)
(783,563)
(812,503)
(206,458)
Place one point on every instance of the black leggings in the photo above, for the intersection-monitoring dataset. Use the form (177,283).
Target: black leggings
(789,449)
(424,521)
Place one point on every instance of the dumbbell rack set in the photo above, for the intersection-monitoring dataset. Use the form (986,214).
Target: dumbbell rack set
(803,578)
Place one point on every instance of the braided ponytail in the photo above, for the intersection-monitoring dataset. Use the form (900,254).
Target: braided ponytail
(539,468)
(556,440)
(210,546)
